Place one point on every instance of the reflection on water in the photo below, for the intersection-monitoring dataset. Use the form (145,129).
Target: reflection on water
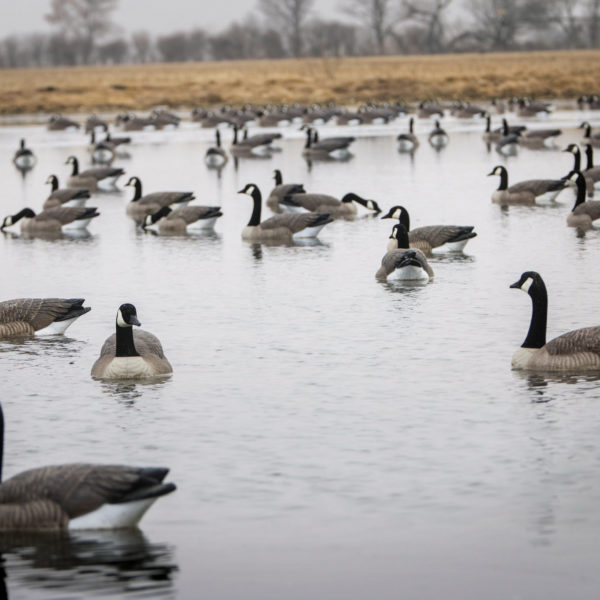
(100,563)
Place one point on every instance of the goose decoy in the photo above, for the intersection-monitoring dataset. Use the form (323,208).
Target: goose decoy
(334,148)
(117,140)
(93,122)
(39,316)
(78,495)
(93,177)
(529,108)
(131,122)
(60,123)
(438,138)
(465,110)
(183,219)
(588,137)
(346,207)
(52,220)
(575,351)
(141,206)
(24,158)
(584,213)
(426,110)
(129,354)
(448,238)
(259,144)
(281,190)
(342,140)
(280,228)
(539,138)
(404,263)
(65,196)
(215,156)
(530,191)
(407,142)
(102,151)
(591,172)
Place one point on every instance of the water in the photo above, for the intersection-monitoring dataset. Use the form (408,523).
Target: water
(330,436)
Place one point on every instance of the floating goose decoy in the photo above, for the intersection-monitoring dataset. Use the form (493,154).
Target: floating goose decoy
(438,138)
(341,140)
(281,190)
(448,238)
(539,138)
(65,196)
(529,108)
(335,148)
(591,172)
(182,219)
(588,137)
(60,123)
(52,220)
(93,122)
(92,178)
(39,316)
(426,110)
(346,207)
(584,213)
(259,144)
(129,354)
(141,207)
(24,158)
(131,122)
(530,191)
(404,263)
(575,351)
(408,142)
(78,495)
(215,156)
(102,151)
(280,228)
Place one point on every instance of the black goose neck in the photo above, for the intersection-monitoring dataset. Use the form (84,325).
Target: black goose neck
(576,159)
(503,179)
(125,345)
(411,125)
(218,138)
(536,336)
(308,139)
(53,182)
(488,124)
(402,237)
(581,190)
(278,177)
(350,196)
(138,190)
(589,154)
(75,165)
(257,199)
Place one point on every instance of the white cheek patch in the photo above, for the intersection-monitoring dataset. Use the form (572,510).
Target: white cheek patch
(250,190)
(121,320)
(527,284)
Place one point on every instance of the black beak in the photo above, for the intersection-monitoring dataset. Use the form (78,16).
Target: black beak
(133,320)
(516,284)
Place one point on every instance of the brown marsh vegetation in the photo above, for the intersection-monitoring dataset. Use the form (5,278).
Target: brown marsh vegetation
(346,81)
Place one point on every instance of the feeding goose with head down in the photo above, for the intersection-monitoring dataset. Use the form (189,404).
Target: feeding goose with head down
(575,351)
(183,219)
(346,207)
(52,220)
(282,228)
(78,495)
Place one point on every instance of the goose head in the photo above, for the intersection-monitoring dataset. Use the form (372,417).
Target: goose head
(127,316)
(157,216)
(497,170)
(529,282)
(53,181)
(396,212)
(572,148)
(26,213)
(133,181)
(251,189)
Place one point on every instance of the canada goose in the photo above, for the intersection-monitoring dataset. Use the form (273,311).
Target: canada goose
(539,138)
(78,495)
(342,140)
(438,138)
(117,141)
(129,354)
(102,151)
(529,108)
(583,214)
(131,122)
(164,118)
(407,142)
(577,350)
(588,137)
(449,238)
(65,196)
(280,228)
(404,263)
(463,110)
(333,148)
(281,190)
(60,123)
(93,122)
(530,191)
(426,110)
(215,156)
(591,173)
(259,144)
(349,118)
(96,175)
(346,207)
(52,220)
(182,219)
(141,207)
(24,158)
(39,316)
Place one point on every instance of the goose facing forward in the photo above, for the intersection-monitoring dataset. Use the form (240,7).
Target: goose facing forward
(39,316)
(280,228)
(577,350)
(530,191)
(438,137)
(130,355)
(24,158)
(78,495)
(52,220)
(449,238)
(404,263)
(215,157)
(408,142)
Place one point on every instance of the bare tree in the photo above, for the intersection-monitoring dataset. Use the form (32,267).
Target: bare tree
(114,52)
(143,50)
(564,14)
(593,19)
(291,16)
(430,14)
(173,47)
(379,17)
(83,20)
(330,38)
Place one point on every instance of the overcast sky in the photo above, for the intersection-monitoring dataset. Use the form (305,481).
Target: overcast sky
(155,16)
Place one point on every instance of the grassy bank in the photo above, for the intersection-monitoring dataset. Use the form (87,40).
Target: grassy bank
(347,81)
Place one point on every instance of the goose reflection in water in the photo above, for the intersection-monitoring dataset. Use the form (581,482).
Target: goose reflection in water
(92,563)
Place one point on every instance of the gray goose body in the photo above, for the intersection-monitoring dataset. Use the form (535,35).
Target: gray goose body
(283,227)
(52,220)
(142,206)
(28,316)
(65,196)
(453,237)
(575,351)
(184,218)
(345,207)
(529,191)
(539,138)
(407,142)
(404,263)
(584,213)
(128,354)
(91,178)
(281,190)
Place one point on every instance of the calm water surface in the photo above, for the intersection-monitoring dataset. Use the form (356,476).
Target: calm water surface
(330,436)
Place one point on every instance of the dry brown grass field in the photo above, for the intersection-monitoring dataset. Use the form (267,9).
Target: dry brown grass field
(346,81)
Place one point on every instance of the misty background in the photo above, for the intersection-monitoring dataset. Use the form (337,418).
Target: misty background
(38,33)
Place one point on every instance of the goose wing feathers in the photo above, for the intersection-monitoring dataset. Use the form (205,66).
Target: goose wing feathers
(66,214)
(591,208)
(586,339)
(24,316)
(313,202)
(165,198)
(284,189)
(537,186)
(295,222)
(191,214)
(393,258)
(102,172)
(438,235)
(58,197)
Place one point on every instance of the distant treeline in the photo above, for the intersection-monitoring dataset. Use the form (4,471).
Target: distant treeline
(83,32)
